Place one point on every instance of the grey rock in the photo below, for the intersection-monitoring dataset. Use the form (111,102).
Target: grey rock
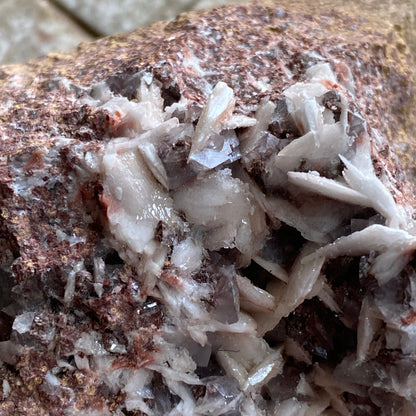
(30,28)
(107,17)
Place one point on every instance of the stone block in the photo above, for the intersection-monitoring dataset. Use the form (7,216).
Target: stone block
(107,17)
(30,28)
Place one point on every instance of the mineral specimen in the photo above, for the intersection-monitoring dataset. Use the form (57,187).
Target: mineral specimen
(208,217)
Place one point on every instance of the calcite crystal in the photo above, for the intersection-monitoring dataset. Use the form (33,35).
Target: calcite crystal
(211,217)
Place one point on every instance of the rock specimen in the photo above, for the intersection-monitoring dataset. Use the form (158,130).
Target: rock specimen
(209,217)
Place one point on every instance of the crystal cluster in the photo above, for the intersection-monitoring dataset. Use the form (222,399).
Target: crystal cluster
(259,257)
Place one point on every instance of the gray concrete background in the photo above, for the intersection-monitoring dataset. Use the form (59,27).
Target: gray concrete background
(30,28)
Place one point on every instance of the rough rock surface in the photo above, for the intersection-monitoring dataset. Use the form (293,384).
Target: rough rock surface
(167,247)
(108,17)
